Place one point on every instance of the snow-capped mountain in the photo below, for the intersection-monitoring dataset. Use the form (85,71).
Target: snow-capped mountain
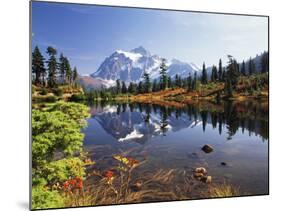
(129,66)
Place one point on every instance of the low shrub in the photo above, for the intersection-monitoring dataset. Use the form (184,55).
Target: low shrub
(43,91)
(50,99)
(58,92)
(44,198)
(77,97)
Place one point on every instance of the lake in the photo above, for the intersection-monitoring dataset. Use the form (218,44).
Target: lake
(171,136)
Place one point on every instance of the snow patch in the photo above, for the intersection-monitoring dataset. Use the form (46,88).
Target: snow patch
(110,109)
(133,56)
(194,66)
(133,135)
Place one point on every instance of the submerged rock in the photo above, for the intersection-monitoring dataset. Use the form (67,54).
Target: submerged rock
(201,170)
(207,148)
(198,175)
(136,187)
(206,179)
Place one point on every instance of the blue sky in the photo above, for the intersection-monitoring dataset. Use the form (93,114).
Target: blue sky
(88,34)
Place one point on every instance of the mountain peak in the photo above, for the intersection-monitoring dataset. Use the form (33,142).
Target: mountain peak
(141,50)
(129,66)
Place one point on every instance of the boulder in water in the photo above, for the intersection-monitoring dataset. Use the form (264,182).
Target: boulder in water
(207,148)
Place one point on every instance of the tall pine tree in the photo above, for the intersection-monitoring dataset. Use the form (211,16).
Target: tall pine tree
(124,88)
(68,71)
(140,87)
(194,82)
(232,71)
(220,71)
(118,86)
(163,75)
(243,68)
(74,75)
(189,82)
(38,67)
(146,82)
(250,66)
(155,86)
(62,68)
(265,62)
(214,76)
(204,77)
(52,66)
(132,88)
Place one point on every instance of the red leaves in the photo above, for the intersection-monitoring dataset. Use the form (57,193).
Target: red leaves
(73,184)
(108,174)
(132,161)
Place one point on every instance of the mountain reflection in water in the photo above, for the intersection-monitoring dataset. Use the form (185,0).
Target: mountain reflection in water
(140,122)
(171,137)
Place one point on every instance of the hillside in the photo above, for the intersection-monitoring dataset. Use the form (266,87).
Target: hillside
(62,92)
(210,91)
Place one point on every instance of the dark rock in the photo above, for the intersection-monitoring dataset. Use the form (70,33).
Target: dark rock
(223,163)
(207,148)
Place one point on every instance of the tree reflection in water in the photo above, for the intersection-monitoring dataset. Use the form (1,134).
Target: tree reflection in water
(251,116)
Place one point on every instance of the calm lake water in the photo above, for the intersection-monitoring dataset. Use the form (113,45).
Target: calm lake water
(171,137)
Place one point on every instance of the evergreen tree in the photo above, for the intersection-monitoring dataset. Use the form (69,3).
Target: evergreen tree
(228,87)
(74,74)
(178,81)
(232,71)
(189,82)
(38,67)
(52,66)
(147,84)
(220,71)
(132,88)
(250,66)
(185,83)
(204,77)
(62,68)
(170,82)
(124,88)
(118,86)
(237,67)
(155,86)
(265,62)
(214,75)
(163,75)
(68,71)
(140,87)
(223,75)
(253,67)
(194,82)
(243,68)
